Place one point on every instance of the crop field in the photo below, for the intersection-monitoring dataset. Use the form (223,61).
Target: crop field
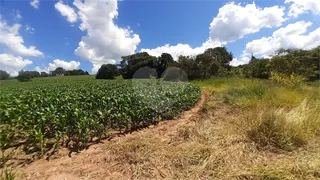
(240,129)
(72,111)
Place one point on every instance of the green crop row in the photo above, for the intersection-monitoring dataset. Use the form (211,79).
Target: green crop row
(72,113)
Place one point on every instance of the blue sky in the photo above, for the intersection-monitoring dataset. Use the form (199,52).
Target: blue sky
(85,34)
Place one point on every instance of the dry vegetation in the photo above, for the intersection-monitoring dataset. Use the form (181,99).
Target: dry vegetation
(244,129)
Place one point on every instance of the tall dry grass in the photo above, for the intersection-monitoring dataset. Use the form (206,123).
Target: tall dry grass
(282,128)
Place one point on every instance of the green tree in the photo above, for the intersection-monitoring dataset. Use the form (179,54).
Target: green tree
(238,71)
(257,68)
(204,62)
(187,63)
(163,63)
(24,76)
(44,74)
(221,55)
(130,64)
(75,72)
(4,75)
(107,71)
(300,62)
(59,71)
(33,74)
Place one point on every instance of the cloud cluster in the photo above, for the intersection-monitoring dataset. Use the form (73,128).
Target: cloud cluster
(292,36)
(180,49)
(59,63)
(12,61)
(10,37)
(298,7)
(233,22)
(105,42)
(66,11)
(13,64)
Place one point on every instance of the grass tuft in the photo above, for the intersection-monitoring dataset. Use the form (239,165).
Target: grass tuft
(8,174)
(284,129)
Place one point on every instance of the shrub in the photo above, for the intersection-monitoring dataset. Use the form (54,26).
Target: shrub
(24,77)
(290,80)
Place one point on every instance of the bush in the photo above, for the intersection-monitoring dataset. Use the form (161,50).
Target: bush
(290,80)
(24,77)
(257,68)
(107,71)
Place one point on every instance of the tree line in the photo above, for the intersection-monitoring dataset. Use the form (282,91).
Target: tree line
(28,75)
(214,62)
(305,63)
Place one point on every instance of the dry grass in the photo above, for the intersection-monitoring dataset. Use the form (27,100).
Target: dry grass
(246,141)
(215,147)
(282,128)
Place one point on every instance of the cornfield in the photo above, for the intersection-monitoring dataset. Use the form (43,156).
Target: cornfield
(73,113)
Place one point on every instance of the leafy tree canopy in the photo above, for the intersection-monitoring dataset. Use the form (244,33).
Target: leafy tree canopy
(107,71)
(4,75)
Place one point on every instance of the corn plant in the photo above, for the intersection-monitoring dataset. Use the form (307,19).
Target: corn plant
(72,113)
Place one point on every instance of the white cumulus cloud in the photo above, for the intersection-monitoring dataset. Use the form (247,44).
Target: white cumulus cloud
(9,36)
(180,49)
(105,42)
(298,7)
(237,62)
(235,21)
(292,36)
(67,65)
(66,11)
(35,3)
(13,64)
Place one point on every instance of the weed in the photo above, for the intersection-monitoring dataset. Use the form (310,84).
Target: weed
(8,174)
